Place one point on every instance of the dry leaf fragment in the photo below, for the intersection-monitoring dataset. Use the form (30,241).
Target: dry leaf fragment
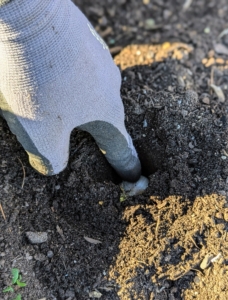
(217,257)
(92,241)
(221,49)
(224,32)
(95,294)
(187,4)
(218,91)
(2,211)
(59,230)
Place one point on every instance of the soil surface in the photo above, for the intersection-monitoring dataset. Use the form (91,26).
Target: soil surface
(170,242)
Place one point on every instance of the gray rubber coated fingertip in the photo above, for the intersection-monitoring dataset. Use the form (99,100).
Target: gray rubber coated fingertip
(132,189)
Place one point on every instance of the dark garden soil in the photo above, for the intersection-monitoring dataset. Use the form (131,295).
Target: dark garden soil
(170,242)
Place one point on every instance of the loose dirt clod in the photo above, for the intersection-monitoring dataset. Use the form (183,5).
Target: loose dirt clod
(37,237)
(95,294)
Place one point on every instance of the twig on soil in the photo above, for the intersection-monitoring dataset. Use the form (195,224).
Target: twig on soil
(197,270)
(191,238)
(60,232)
(157,226)
(2,211)
(23,168)
(224,32)
(212,75)
(63,263)
(60,249)
(202,228)
(106,32)
(186,272)
(115,50)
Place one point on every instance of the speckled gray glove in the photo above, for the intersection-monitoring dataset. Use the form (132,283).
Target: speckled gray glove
(57,74)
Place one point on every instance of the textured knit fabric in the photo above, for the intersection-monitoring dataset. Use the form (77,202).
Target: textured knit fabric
(56,74)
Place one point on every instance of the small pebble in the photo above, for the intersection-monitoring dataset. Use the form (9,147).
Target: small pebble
(149,24)
(147,272)
(206,261)
(206,100)
(144,123)
(181,81)
(168,257)
(2,262)
(28,256)
(191,98)
(197,280)
(184,113)
(95,294)
(166,13)
(36,237)
(170,88)
(190,145)
(40,257)
(70,293)
(50,254)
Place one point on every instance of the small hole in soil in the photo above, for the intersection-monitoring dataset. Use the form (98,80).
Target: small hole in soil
(151,159)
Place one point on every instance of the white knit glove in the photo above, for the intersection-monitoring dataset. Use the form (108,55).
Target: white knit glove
(57,74)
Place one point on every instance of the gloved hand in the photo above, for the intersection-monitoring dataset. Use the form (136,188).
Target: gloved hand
(57,74)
